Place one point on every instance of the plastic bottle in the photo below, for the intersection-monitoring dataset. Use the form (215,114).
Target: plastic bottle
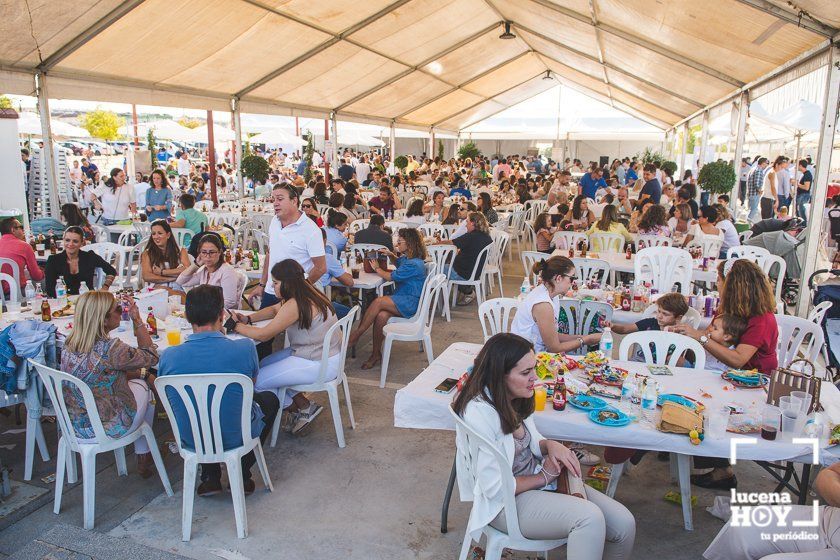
(628,393)
(648,404)
(29,291)
(61,291)
(606,344)
(559,398)
(83,288)
(525,287)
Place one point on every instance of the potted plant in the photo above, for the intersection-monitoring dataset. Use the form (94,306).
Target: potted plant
(307,156)
(256,168)
(717,177)
(649,156)
(469,150)
(669,167)
(401,162)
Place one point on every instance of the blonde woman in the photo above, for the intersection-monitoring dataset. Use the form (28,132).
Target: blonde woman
(111,368)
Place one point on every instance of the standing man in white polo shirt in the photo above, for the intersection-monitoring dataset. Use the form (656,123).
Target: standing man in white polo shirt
(291,235)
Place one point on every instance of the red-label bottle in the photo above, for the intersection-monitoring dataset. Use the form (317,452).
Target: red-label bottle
(558,401)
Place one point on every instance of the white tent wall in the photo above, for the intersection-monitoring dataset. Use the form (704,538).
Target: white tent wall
(585,150)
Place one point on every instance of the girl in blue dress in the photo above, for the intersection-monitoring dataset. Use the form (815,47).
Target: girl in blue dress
(409,276)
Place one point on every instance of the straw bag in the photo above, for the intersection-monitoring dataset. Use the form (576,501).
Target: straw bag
(679,419)
(783,381)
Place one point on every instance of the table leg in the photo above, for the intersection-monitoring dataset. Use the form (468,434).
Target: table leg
(804,484)
(684,469)
(447,497)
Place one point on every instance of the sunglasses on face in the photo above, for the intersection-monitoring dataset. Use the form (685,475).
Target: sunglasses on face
(306,206)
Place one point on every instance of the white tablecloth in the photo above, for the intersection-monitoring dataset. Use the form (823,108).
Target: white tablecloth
(417,405)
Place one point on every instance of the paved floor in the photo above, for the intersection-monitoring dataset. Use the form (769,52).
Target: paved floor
(377,498)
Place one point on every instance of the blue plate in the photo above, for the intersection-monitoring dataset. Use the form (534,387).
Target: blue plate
(620,420)
(585,402)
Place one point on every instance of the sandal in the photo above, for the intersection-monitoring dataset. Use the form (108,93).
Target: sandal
(370,362)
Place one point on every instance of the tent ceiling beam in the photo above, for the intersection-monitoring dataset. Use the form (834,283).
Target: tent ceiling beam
(81,40)
(464,84)
(485,100)
(640,42)
(608,65)
(805,21)
(417,67)
(323,46)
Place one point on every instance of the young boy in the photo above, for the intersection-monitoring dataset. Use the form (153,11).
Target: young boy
(726,330)
(670,309)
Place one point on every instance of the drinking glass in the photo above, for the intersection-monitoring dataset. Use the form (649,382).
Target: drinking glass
(13,306)
(805,399)
(789,421)
(718,421)
(789,402)
(173,333)
(539,397)
(770,422)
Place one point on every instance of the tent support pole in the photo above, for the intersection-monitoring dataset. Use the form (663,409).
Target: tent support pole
(237,129)
(326,155)
(392,143)
(334,155)
(704,143)
(792,209)
(431,154)
(820,184)
(211,159)
(50,162)
(743,107)
(684,148)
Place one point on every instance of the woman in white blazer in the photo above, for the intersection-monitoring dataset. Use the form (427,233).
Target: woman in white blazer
(497,402)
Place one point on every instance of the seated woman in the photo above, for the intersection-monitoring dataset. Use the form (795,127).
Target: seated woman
(414,216)
(409,276)
(72,215)
(580,216)
(745,292)
(536,315)
(306,315)
(485,206)
(111,368)
(435,212)
(725,225)
(452,218)
(497,402)
(76,266)
(608,223)
(336,227)
(654,222)
(680,222)
(544,232)
(210,268)
(637,214)
(470,243)
(163,261)
(310,208)
(704,228)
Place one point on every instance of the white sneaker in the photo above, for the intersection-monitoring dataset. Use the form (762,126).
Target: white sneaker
(586,457)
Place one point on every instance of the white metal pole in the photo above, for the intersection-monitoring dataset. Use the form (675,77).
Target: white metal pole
(237,129)
(684,148)
(740,135)
(795,166)
(392,143)
(334,123)
(820,185)
(48,153)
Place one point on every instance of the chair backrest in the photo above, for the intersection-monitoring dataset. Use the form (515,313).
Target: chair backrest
(358,224)
(201,397)
(14,289)
(100,233)
(606,242)
(793,333)
(342,329)
(496,315)
(749,252)
(143,228)
(708,244)
(359,249)
(204,205)
(133,265)
(591,269)
(446,231)
(323,209)
(262,241)
(468,445)
(817,314)
(644,240)
(331,249)
(774,267)
(692,316)
(592,315)
(54,382)
(243,283)
(566,239)
(441,255)
(538,205)
(529,258)
(13,270)
(664,267)
(744,235)
(500,242)
(429,230)
(425,314)
(529,237)
(182,236)
(128,238)
(568,316)
(483,258)
(668,347)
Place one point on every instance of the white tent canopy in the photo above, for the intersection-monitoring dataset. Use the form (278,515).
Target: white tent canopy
(30,123)
(277,136)
(220,133)
(165,130)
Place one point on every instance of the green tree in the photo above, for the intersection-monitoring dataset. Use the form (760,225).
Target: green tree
(102,124)
(440,149)
(150,138)
(5,102)
(469,150)
(717,177)
(307,156)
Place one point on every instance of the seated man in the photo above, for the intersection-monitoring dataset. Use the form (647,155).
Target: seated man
(188,217)
(207,350)
(13,246)
(375,233)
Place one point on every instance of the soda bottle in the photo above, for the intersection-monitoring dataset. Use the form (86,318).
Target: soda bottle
(629,254)
(606,344)
(151,323)
(628,392)
(625,300)
(83,288)
(255,261)
(648,404)
(46,312)
(29,291)
(558,401)
(60,291)
(571,251)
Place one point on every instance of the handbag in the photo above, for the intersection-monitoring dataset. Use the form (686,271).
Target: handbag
(783,381)
(567,483)
(679,419)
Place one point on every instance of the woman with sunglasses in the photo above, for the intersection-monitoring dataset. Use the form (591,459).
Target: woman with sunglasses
(210,268)
(536,315)
(310,208)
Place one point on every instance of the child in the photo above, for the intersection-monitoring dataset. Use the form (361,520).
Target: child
(670,310)
(544,232)
(726,330)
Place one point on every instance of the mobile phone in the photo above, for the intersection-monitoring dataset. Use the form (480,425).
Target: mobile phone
(446,385)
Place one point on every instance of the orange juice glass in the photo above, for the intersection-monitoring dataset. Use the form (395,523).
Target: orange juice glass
(539,397)
(173,337)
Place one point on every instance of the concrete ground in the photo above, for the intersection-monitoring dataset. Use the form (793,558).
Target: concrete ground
(379,497)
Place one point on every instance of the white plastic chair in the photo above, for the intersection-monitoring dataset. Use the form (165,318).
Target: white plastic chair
(416,328)
(357,225)
(133,267)
(469,445)
(201,397)
(493,268)
(13,270)
(515,226)
(606,242)
(529,258)
(54,382)
(342,329)
(182,236)
(744,235)
(261,237)
(708,244)
(591,269)
(476,279)
(100,233)
(692,316)
(774,267)
(664,267)
(429,230)
(144,229)
(14,289)
(563,240)
(661,342)
(496,315)
(816,316)
(359,249)
(442,256)
(114,254)
(749,252)
(643,241)
(793,333)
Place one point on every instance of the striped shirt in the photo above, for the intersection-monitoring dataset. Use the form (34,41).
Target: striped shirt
(755,180)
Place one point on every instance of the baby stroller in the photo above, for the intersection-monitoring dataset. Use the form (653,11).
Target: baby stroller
(792,249)
(825,287)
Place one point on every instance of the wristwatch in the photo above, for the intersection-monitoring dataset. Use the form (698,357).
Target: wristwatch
(703,340)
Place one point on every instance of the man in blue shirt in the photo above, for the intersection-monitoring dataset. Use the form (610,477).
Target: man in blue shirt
(207,350)
(335,270)
(652,188)
(460,190)
(591,182)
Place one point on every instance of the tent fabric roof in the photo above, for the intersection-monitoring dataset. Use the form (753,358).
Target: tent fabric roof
(419,63)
